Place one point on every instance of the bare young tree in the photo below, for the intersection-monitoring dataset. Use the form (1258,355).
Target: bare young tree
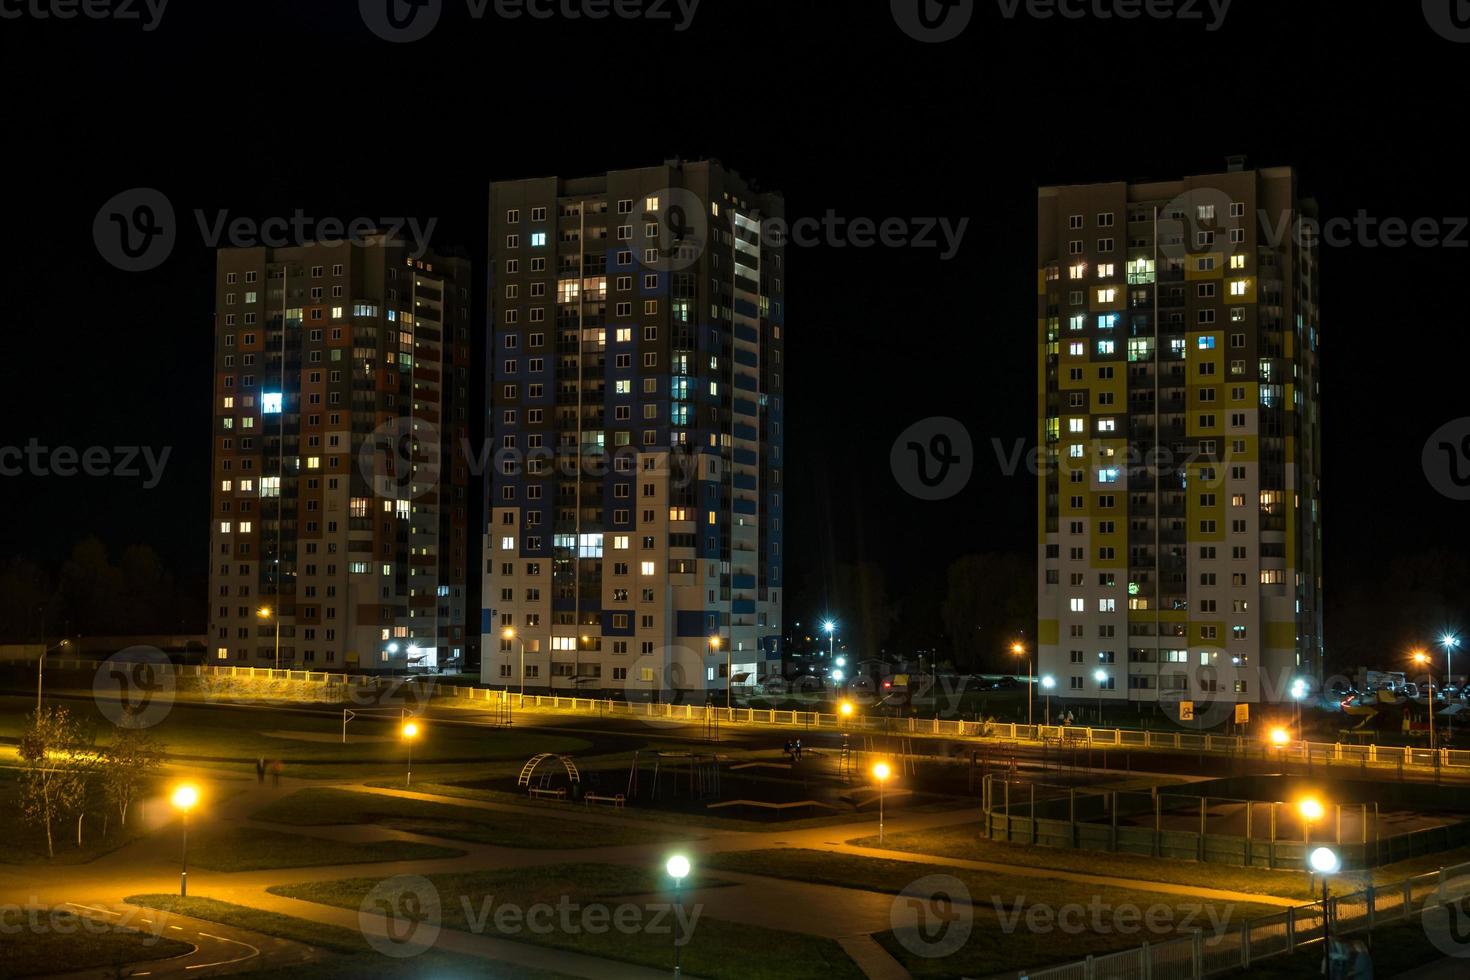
(129,762)
(55,758)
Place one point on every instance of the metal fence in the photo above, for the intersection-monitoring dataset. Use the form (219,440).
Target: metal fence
(1364,757)
(1193,957)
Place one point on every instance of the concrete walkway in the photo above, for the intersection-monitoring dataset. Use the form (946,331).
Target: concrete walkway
(148,865)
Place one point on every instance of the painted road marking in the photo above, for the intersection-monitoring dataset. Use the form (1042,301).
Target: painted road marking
(239,959)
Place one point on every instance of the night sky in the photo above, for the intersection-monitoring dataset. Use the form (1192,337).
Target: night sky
(263,108)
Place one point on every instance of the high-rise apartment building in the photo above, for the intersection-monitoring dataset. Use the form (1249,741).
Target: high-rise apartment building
(635,501)
(338,518)
(1180,546)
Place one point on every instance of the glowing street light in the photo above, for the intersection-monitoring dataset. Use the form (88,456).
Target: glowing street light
(678,868)
(410,732)
(844,709)
(1280,737)
(881,772)
(1449,641)
(829,626)
(510,634)
(41,669)
(1048,682)
(184,799)
(1019,649)
(1101,676)
(1325,862)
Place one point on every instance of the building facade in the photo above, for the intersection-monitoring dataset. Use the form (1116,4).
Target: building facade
(338,518)
(634,508)
(1180,546)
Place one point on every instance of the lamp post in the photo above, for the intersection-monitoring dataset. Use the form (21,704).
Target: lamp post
(845,710)
(410,732)
(829,626)
(714,648)
(1450,641)
(1325,861)
(1101,677)
(677,867)
(1048,682)
(1298,692)
(273,614)
(1310,809)
(41,670)
(510,634)
(183,800)
(1422,658)
(1019,648)
(881,772)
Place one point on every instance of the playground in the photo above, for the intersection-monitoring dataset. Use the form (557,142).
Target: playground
(1268,821)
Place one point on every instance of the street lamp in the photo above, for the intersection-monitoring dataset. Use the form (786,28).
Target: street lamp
(510,634)
(678,868)
(1450,641)
(1280,736)
(1422,658)
(845,709)
(40,671)
(410,732)
(829,626)
(1310,809)
(714,648)
(881,772)
(184,798)
(1101,676)
(1325,861)
(1048,682)
(266,612)
(1298,692)
(1019,648)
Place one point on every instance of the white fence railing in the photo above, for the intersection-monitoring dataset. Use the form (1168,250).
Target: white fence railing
(1058,736)
(1194,957)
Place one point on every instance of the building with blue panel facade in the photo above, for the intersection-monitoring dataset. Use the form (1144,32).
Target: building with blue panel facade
(634,507)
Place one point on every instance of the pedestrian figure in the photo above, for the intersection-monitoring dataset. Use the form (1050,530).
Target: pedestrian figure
(276,773)
(260,771)
(798,750)
(786,748)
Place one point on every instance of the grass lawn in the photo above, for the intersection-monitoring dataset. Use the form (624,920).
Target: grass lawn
(25,843)
(71,943)
(355,957)
(996,899)
(649,814)
(716,948)
(321,807)
(233,738)
(964,841)
(1396,949)
(253,849)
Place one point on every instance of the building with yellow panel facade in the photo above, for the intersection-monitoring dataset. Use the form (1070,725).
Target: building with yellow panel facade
(1179,520)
